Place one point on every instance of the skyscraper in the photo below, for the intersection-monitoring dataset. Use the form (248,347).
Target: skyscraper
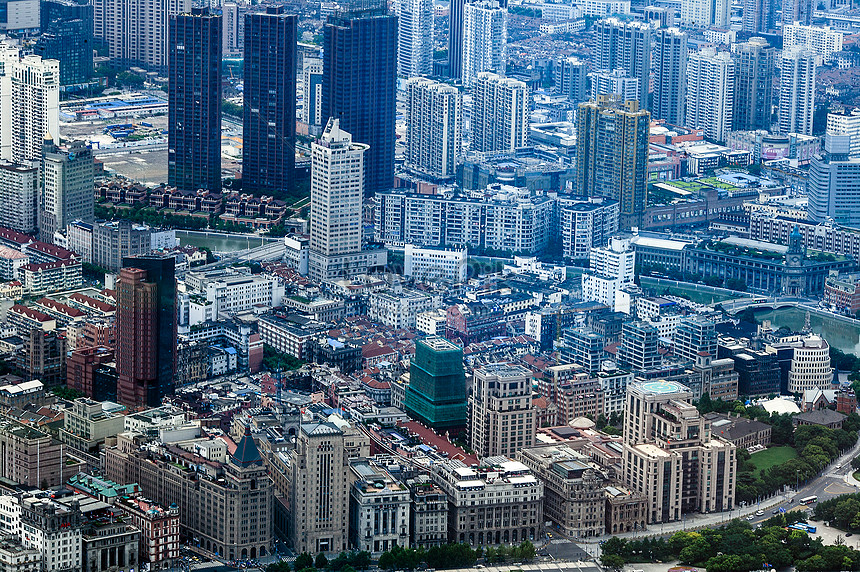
(66,192)
(269,132)
(434,117)
(455,38)
(571,80)
(625,45)
(146,330)
(759,16)
(797,91)
(312,78)
(29,104)
(436,394)
(415,38)
(500,120)
(710,93)
(612,154)
(501,417)
(359,86)
(799,11)
(67,36)
(753,93)
(834,183)
(136,31)
(337,181)
(194,101)
(670,66)
(485,39)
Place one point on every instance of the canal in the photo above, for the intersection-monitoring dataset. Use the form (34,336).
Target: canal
(841,334)
(220,241)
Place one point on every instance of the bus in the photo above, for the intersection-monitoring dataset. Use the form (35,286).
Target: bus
(808,500)
(803,526)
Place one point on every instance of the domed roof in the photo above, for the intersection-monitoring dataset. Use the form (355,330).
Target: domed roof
(582,423)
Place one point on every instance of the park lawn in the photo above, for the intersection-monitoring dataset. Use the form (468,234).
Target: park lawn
(763,460)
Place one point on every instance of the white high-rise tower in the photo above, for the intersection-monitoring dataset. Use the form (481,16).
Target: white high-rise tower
(710,92)
(485,39)
(337,187)
(797,90)
(434,116)
(500,107)
(415,38)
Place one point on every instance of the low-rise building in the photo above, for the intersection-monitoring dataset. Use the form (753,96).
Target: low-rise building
(429,264)
(429,515)
(498,502)
(378,509)
(399,308)
(159,531)
(626,510)
(89,423)
(573,489)
(742,432)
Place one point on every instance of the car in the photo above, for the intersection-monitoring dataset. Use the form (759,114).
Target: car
(847,534)
(775,511)
(750,517)
(759,513)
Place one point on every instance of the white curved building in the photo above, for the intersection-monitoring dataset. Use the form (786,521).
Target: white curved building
(810,366)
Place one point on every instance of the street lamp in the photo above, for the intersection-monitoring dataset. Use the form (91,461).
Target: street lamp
(796,479)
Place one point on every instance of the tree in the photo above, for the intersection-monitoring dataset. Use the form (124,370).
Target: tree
(612,562)
(279,566)
(304,560)
(386,561)
(321,561)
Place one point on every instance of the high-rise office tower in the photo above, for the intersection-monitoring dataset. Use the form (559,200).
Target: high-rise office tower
(359,86)
(671,456)
(753,93)
(67,36)
(194,101)
(66,192)
(834,183)
(66,42)
(269,131)
(312,79)
(797,91)
(485,39)
(639,347)
(434,118)
(759,16)
(415,38)
(19,195)
(612,154)
(810,366)
(501,417)
(500,107)
(455,38)
(799,11)
(625,45)
(29,104)
(845,122)
(670,67)
(572,79)
(136,31)
(436,394)
(710,93)
(337,181)
(146,330)
(706,13)
(693,336)
(615,82)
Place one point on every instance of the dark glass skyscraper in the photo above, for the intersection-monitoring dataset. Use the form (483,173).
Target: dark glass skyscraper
(269,135)
(67,41)
(146,330)
(436,394)
(455,38)
(359,86)
(194,101)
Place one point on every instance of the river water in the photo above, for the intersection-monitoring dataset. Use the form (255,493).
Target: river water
(838,333)
(221,242)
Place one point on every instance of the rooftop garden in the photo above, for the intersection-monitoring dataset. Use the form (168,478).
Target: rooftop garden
(733,250)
